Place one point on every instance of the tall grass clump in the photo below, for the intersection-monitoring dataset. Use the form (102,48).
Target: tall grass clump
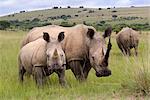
(137,72)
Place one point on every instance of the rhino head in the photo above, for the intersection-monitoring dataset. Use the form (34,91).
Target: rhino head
(98,53)
(55,55)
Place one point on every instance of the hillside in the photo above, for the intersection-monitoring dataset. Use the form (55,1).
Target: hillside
(92,16)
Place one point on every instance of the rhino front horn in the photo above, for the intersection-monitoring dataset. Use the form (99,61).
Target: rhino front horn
(105,61)
(55,55)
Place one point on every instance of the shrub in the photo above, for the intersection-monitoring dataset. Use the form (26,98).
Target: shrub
(84,9)
(81,7)
(22,11)
(79,11)
(102,22)
(66,24)
(99,8)
(55,7)
(64,17)
(114,16)
(4,25)
(114,11)
(118,27)
(35,20)
(76,15)
(91,11)
(68,7)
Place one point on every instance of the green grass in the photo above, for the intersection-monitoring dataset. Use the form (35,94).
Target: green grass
(120,85)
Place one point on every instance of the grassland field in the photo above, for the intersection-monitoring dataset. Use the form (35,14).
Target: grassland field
(83,15)
(130,76)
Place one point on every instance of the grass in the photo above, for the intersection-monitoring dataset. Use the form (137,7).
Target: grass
(92,17)
(127,81)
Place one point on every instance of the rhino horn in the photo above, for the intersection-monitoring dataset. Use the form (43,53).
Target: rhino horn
(105,60)
(107,32)
(55,55)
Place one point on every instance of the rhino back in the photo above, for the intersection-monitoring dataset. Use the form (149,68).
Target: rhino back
(74,45)
(128,37)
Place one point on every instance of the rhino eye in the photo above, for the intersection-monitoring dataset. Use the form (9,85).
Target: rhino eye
(93,57)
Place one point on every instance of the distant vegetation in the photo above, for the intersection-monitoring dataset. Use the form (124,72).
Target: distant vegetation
(97,17)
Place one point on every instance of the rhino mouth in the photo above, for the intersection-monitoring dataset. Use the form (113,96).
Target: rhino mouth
(103,73)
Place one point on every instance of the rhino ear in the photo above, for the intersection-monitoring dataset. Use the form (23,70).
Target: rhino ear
(61,36)
(46,36)
(90,33)
(107,32)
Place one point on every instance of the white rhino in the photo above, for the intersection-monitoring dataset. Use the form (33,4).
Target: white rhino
(42,57)
(83,46)
(127,39)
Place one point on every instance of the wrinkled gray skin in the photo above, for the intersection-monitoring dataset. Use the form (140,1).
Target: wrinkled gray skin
(42,57)
(83,46)
(127,39)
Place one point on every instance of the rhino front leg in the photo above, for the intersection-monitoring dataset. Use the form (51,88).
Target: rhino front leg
(61,75)
(39,76)
(128,52)
(77,70)
(86,69)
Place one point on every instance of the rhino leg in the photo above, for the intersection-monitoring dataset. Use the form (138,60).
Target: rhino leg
(128,52)
(61,75)
(39,75)
(21,73)
(121,47)
(136,50)
(77,69)
(86,69)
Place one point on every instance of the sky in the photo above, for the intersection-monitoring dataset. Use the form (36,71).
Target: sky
(14,6)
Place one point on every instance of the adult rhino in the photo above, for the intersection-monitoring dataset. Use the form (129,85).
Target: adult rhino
(83,46)
(127,39)
(42,57)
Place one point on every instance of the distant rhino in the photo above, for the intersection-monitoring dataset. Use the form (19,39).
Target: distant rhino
(42,57)
(83,46)
(127,39)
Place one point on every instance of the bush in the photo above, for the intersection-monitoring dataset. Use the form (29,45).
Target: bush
(22,11)
(84,9)
(68,7)
(91,11)
(114,16)
(114,11)
(76,15)
(4,25)
(79,11)
(66,24)
(55,7)
(99,8)
(81,7)
(35,20)
(118,27)
(102,22)
(64,17)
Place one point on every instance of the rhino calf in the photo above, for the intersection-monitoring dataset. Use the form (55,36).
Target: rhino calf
(42,57)
(127,39)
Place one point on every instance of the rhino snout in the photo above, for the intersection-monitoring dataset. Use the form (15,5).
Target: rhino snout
(103,73)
